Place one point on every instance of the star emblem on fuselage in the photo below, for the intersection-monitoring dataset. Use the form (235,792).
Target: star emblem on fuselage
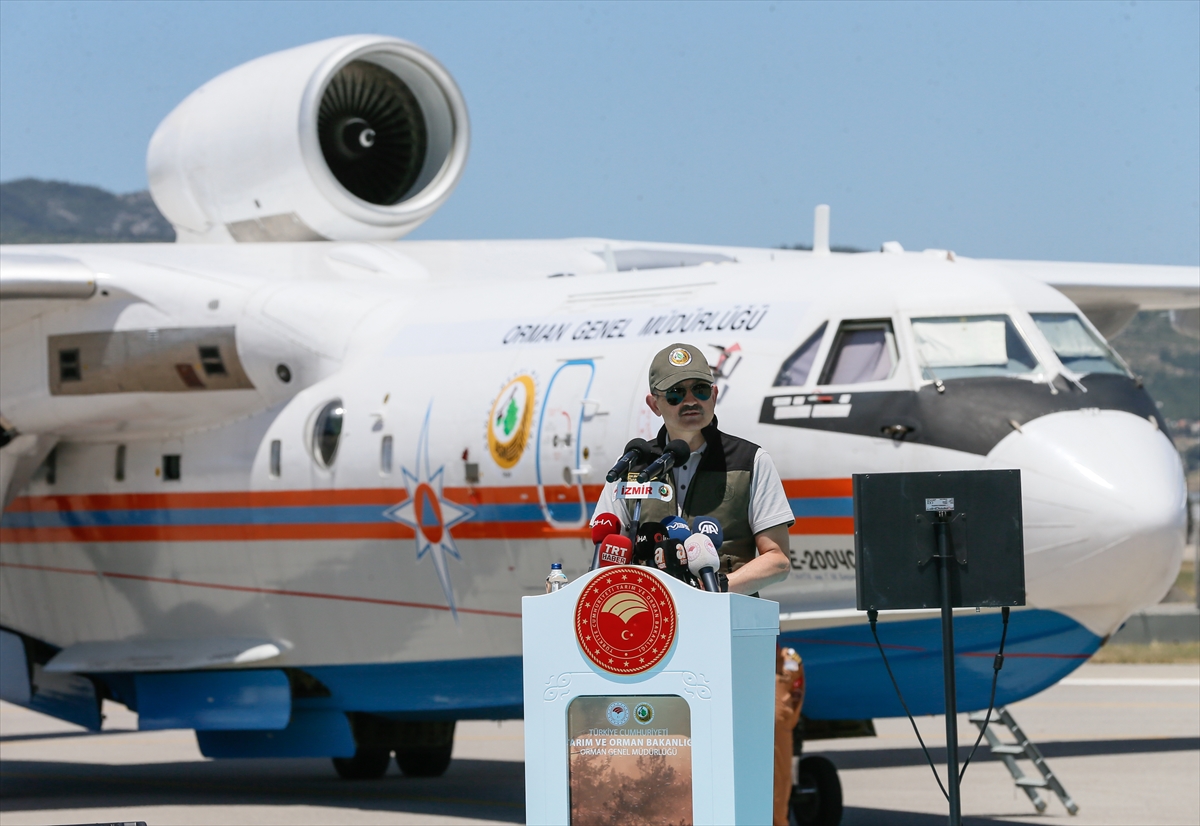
(430,514)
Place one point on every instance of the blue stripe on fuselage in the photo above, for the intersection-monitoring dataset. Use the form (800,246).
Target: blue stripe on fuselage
(324,514)
(846,677)
(823,506)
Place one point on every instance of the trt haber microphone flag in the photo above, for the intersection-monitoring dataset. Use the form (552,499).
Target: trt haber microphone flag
(616,550)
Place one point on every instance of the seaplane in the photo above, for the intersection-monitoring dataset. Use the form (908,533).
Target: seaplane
(285,481)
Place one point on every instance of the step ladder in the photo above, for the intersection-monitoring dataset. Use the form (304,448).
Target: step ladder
(1023,747)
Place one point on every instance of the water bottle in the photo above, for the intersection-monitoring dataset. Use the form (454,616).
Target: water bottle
(557,578)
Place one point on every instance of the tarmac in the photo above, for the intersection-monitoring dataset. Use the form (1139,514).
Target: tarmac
(1123,739)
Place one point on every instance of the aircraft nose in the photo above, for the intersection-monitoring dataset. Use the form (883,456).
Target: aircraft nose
(1104,504)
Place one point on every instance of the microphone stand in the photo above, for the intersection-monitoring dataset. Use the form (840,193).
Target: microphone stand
(637,512)
(946,560)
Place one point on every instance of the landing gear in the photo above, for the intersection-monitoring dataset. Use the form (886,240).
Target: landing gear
(425,748)
(369,763)
(430,761)
(422,747)
(817,796)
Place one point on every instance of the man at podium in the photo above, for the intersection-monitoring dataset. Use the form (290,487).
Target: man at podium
(730,480)
(726,478)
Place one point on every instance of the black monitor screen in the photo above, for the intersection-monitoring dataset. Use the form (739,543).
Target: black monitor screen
(895,539)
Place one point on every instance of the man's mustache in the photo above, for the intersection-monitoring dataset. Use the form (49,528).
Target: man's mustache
(691,408)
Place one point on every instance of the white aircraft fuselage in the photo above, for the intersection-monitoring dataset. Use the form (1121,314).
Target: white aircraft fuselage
(345,462)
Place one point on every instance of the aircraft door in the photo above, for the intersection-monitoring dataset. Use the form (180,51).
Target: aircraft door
(559,444)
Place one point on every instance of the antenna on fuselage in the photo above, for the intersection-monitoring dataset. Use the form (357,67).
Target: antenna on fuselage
(821,230)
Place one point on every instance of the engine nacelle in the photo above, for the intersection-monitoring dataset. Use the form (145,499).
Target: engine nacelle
(355,138)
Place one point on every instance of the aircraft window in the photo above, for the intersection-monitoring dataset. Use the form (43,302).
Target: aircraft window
(1077,347)
(276,457)
(385,455)
(863,351)
(210,359)
(171,469)
(327,432)
(795,370)
(962,347)
(68,365)
(119,470)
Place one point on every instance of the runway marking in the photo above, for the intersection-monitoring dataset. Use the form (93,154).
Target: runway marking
(1146,682)
(1034,655)
(1040,704)
(219,784)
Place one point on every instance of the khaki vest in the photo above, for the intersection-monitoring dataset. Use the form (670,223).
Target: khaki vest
(721,489)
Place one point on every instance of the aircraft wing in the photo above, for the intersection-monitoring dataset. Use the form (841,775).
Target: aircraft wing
(1111,294)
(30,283)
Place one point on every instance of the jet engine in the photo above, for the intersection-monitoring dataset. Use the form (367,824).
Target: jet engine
(354,138)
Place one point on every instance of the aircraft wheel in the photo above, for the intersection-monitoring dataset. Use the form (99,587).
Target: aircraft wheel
(817,797)
(427,761)
(366,764)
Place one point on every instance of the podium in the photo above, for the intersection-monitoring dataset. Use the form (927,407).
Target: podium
(648,701)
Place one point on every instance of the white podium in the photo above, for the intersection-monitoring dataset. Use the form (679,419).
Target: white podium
(647,701)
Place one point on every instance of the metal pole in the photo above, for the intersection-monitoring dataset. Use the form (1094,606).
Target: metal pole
(946,559)
(1194,509)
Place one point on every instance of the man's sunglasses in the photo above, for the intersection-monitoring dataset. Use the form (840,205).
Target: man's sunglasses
(675,395)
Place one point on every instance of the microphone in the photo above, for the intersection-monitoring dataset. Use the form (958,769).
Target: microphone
(702,560)
(615,550)
(670,557)
(603,526)
(649,534)
(710,528)
(636,449)
(677,528)
(676,453)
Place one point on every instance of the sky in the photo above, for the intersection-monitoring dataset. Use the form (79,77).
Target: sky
(1059,131)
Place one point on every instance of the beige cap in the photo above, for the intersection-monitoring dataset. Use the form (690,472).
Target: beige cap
(676,363)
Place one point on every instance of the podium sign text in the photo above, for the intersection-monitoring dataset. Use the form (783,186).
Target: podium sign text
(630,759)
(648,701)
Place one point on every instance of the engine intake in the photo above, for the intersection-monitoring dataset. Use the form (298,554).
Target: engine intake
(350,139)
(372,132)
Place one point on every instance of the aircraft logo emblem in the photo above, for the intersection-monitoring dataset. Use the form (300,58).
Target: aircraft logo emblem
(625,621)
(680,357)
(509,421)
(430,514)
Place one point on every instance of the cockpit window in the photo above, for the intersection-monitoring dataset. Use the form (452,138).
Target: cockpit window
(1077,347)
(863,351)
(795,370)
(962,347)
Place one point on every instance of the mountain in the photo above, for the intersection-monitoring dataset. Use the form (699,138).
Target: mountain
(1167,361)
(53,212)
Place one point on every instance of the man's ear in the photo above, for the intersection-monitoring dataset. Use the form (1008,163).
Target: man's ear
(715,391)
(652,403)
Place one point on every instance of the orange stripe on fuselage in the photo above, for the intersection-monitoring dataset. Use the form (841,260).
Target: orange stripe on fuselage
(259,533)
(385,497)
(823,525)
(802,488)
